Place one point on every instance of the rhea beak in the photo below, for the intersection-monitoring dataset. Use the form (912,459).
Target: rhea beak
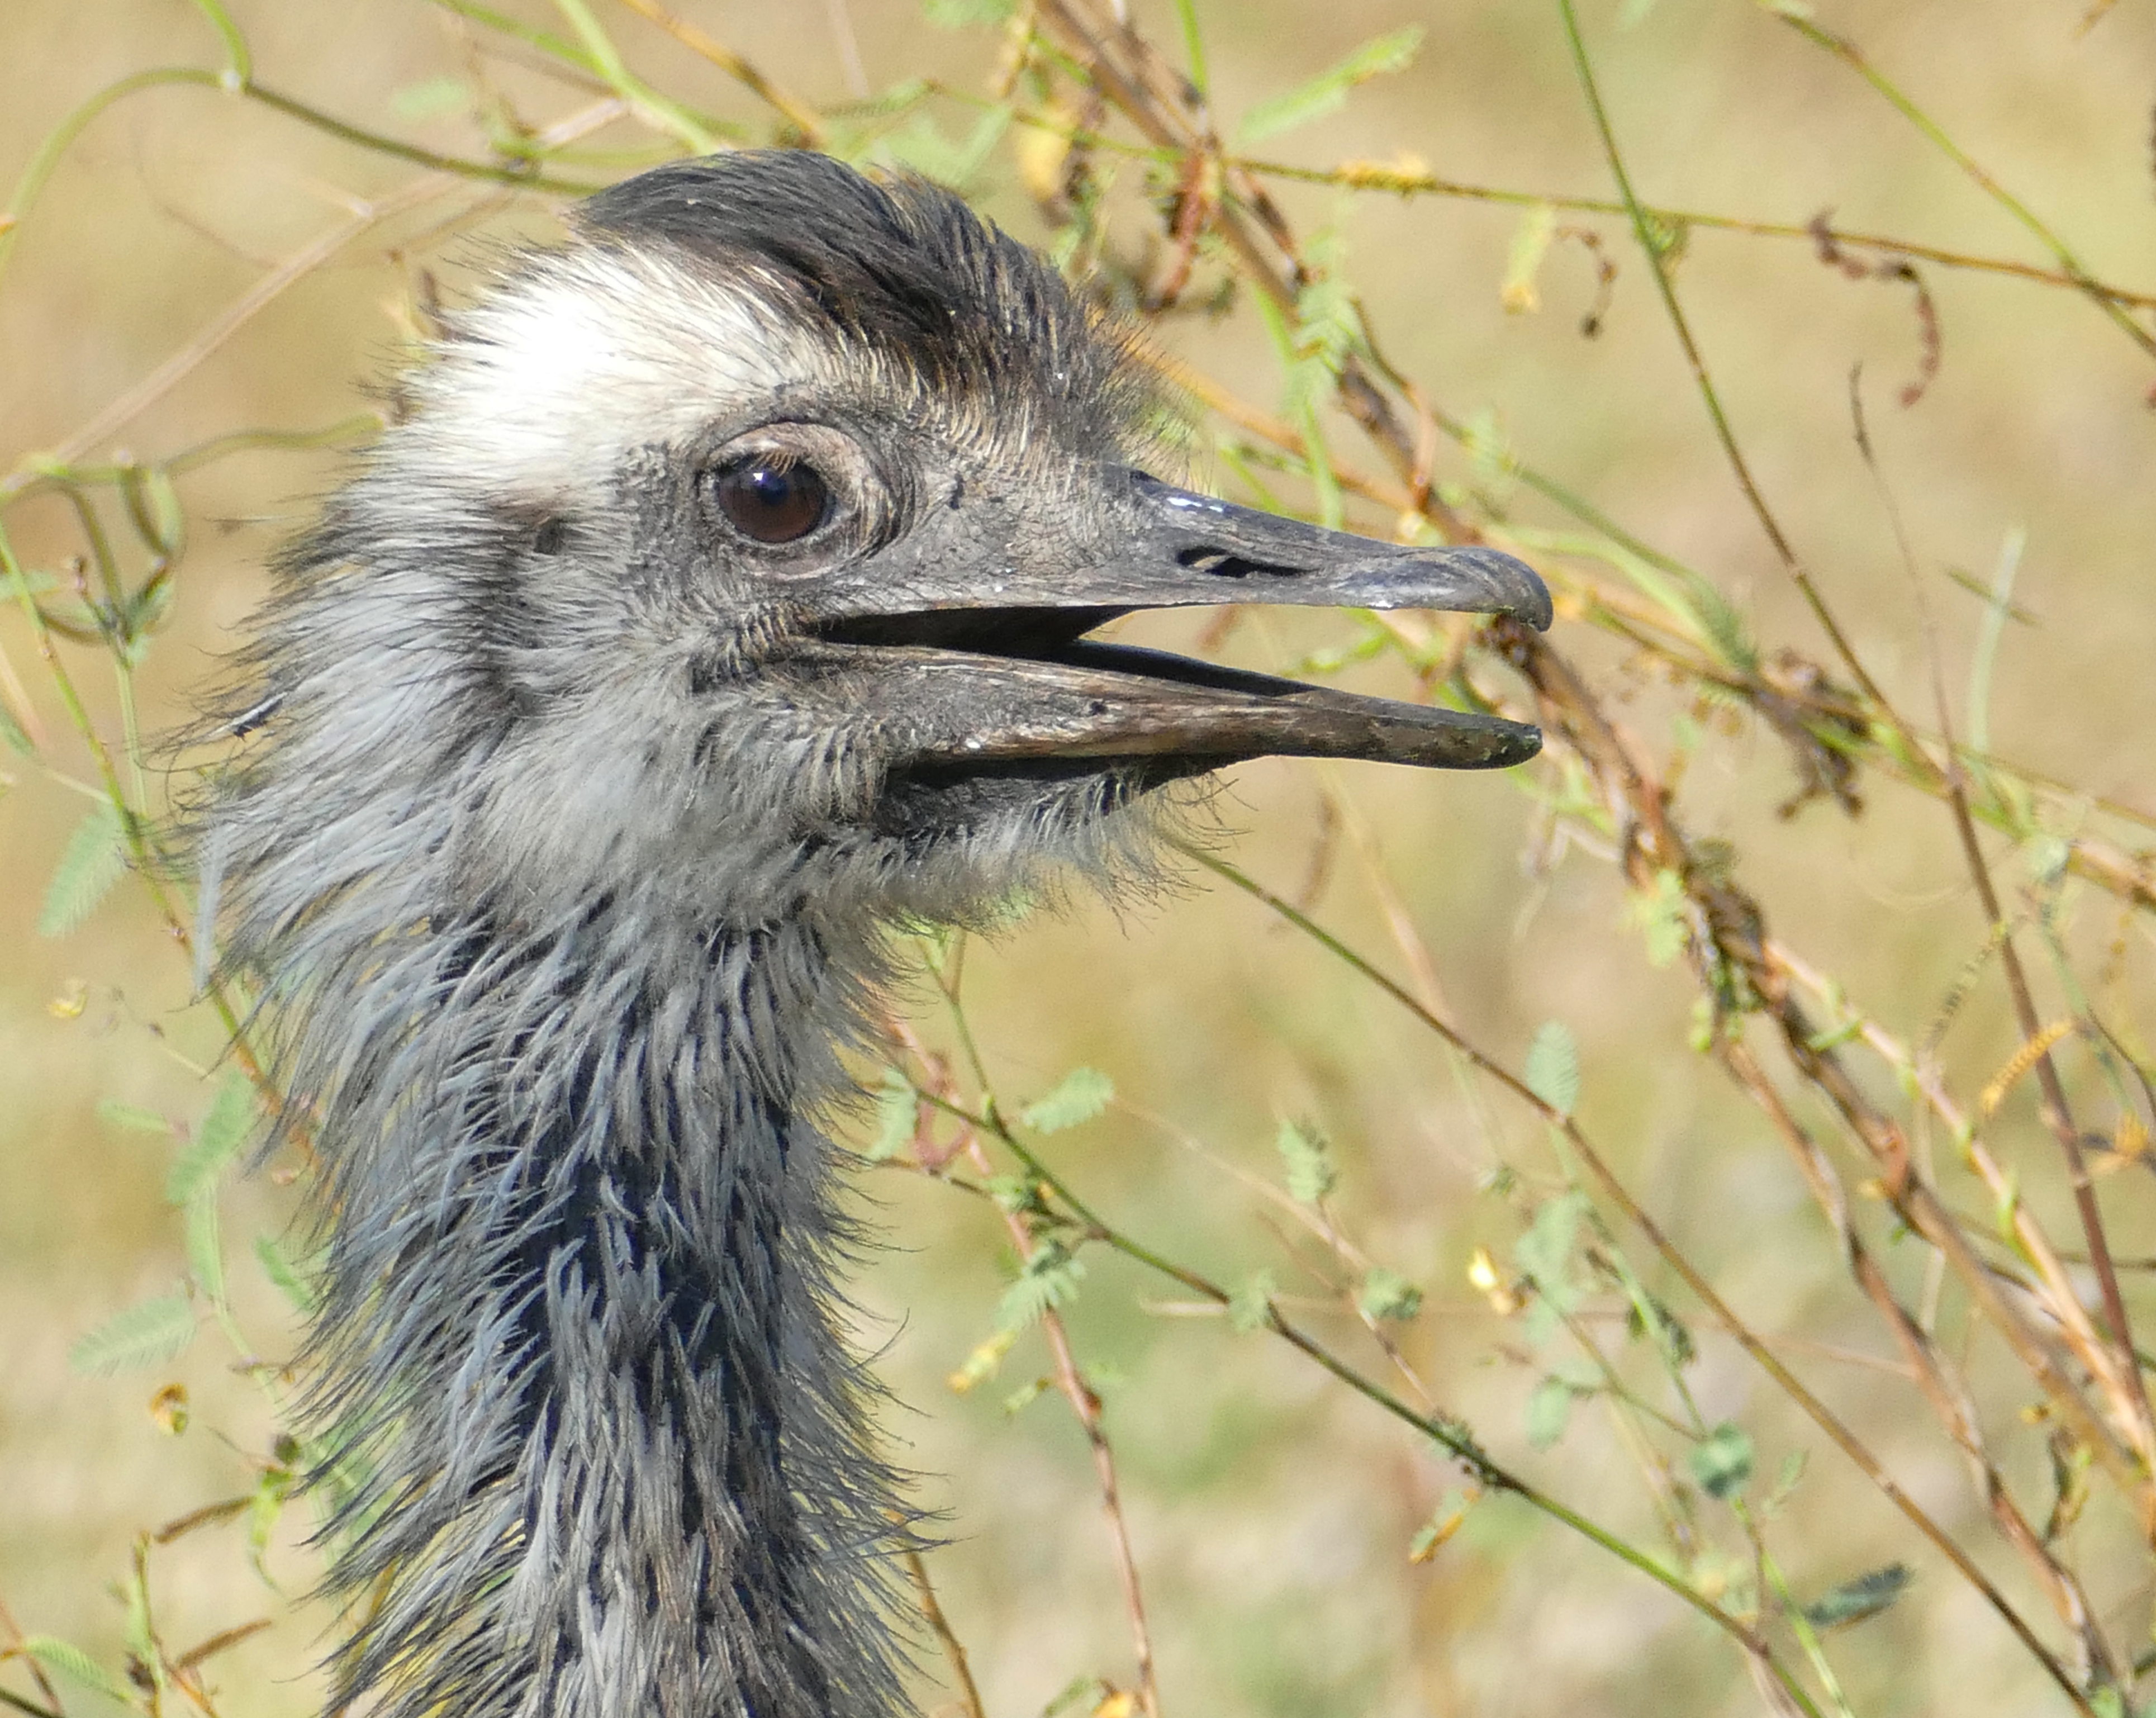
(993,669)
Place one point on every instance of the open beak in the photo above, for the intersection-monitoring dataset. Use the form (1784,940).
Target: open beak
(987,669)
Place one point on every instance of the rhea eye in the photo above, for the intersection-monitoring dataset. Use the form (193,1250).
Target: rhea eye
(771,501)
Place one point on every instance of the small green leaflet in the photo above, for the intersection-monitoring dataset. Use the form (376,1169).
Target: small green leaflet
(1250,1307)
(1659,913)
(282,1271)
(1328,90)
(897,1113)
(154,505)
(1530,243)
(1785,1480)
(1310,1172)
(1089,1689)
(1721,1461)
(1489,451)
(225,1127)
(206,1244)
(1549,1408)
(434,99)
(11,734)
(1545,1252)
(91,862)
(1553,1067)
(144,1334)
(1388,1295)
(132,1116)
(1021,1398)
(1668,238)
(1049,1279)
(72,1662)
(1081,1094)
(1866,1595)
(922,147)
(959,14)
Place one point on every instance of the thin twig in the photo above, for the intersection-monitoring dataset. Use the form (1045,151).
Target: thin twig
(939,1625)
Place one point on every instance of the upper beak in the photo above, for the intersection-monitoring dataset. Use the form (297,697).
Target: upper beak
(979,620)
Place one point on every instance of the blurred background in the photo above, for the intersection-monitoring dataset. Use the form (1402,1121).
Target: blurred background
(281,271)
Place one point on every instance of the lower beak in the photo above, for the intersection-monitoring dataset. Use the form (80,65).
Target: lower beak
(1004,675)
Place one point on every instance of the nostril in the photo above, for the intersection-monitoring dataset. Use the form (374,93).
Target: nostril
(1223,563)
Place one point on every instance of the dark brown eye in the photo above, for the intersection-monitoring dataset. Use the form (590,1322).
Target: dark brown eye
(769,500)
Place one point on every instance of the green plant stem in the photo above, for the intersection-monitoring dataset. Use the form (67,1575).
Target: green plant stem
(1817,1411)
(57,141)
(30,1707)
(133,827)
(396,148)
(1453,1437)
(239,60)
(1403,183)
(1846,51)
(658,111)
(1194,48)
(1702,378)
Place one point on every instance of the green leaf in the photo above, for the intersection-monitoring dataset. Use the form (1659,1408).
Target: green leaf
(1078,1096)
(1721,1461)
(1553,1067)
(1785,1480)
(153,507)
(1530,243)
(1544,1252)
(1049,1279)
(1489,452)
(981,1365)
(1723,626)
(95,857)
(1650,1317)
(205,1242)
(1328,89)
(1018,1196)
(13,734)
(1549,1410)
(144,1334)
(225,1128)
(1250,1306)
(1088,1690)
(1866,1595)
(283,1273)
(133,1117)
(922,147)
(1661,915)
(1021,1398)
(898,1116)
(967,14)
(1311,1174)
(72,1662)
(434,99)
(1668,239)
(1388,1295)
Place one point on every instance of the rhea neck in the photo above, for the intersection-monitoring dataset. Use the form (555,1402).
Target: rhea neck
(575,1335)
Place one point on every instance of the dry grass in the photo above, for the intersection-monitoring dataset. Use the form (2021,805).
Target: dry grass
(1668,1232)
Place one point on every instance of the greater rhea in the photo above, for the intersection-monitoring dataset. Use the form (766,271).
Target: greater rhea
(718,600)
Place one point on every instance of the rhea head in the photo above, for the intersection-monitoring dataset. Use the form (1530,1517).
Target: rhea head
(743,552)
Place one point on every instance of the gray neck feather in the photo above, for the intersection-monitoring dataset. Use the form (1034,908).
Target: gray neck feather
(600,1453)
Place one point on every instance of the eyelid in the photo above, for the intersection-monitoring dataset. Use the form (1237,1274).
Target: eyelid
(868,499)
